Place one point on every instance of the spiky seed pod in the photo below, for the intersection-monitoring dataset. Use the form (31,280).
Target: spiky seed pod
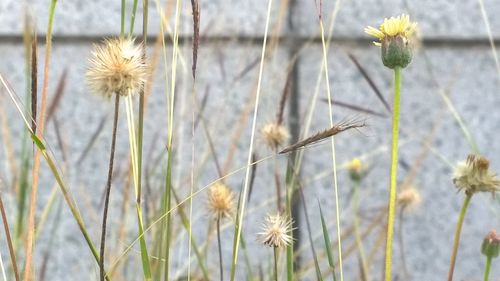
(275,135)
(275,231)
(474,175)
(409,198)
(116,67)
(220,201)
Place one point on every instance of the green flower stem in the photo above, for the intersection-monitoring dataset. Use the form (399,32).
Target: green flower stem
(275,263)
(359,240)
(394,167)
(487,268)
(458,230)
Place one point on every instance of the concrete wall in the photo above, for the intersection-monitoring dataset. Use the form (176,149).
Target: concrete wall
(456,59)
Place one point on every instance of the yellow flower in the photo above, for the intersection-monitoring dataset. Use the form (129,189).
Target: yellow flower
(356,169)
(394,37)
(116,67)
(395,26)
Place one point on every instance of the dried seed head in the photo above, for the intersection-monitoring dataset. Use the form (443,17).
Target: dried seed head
(275,231)
(275,135)
(474,175)
(409,198)
(220,201)
(116,67)
(491,244)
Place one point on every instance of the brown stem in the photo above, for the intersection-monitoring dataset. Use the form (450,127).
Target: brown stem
(458,230)
(108,187)
(9,240)
(220,250)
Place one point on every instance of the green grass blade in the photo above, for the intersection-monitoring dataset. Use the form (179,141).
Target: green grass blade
(328,244)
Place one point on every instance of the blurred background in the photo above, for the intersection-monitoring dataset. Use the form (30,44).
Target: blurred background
(454,74)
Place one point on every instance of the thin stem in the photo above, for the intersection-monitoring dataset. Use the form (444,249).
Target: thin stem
(487,268)
(402,244)
(394,167)
(108,186)
(132,19)
(220,250)
(122,21)
(275,264)
(168,184)
(359,240)
(278,185)
(458,230)
(39,133)
(9,240)
(334,161)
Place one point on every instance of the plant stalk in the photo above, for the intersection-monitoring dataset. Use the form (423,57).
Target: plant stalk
(108,186)
(487,268)
(458,230)
(275,263)
(394,168)
(221,268)
(359,240)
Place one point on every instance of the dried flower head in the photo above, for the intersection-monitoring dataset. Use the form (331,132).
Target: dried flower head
(275,231)
(474,175)
(409,198)
(220,201)
(116,67)
(275,134)
(395,35)
(491,244)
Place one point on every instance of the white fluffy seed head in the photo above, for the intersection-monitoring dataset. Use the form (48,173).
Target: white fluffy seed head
(116,67)
(276,231)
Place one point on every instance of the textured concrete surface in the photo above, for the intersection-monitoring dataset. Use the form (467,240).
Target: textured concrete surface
(457,61)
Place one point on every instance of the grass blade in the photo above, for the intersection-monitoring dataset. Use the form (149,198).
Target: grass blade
(328,245)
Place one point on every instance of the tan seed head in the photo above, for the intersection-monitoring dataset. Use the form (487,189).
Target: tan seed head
(474,175)
(220,201)
(409,198)
(275,135)
(116,67)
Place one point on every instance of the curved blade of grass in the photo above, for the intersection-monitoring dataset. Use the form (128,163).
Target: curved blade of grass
(328,244)
(490,35)
(334,163)
(134,155)
(319,276)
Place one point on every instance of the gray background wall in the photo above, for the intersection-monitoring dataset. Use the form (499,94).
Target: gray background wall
(456,58)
